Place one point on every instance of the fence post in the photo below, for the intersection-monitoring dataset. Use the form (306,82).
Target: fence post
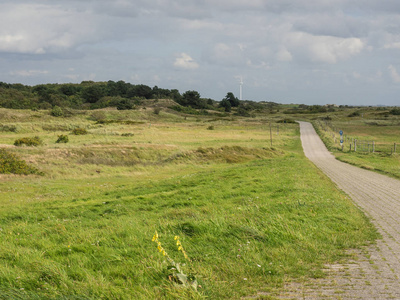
(368,147)
(373,146)
(394,147)
(355,145)
(270,132)
(350,147)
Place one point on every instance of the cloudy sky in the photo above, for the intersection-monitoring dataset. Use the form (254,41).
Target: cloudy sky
(288,51)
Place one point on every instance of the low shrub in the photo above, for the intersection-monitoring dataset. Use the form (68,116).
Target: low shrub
(35,141)
(98,116)
(8,128)
(186,110)
(125,104)
(62,139)
(287,121)
(127,134)
(57,112)
(79,131)
(56,127)
(11,164)
(126,122)
(354,114)
(395,111)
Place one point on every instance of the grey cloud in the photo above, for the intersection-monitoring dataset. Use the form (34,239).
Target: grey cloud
(274,44)
(39,29)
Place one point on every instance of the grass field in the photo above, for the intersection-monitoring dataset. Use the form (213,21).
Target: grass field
(249,216)
(373,127)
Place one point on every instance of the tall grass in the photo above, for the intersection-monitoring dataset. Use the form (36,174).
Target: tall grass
(250,216)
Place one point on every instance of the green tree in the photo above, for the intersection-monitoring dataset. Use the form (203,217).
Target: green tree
(93,93)
(175,95)
(140,90)
(232,99)
(226,104)
(192,98)
(125,104)
(69,89)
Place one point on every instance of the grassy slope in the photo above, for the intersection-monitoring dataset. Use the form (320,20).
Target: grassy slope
(248,226)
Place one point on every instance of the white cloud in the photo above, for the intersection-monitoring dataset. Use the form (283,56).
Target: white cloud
(185,62)
(224,54)
(284,55)
(327,49)
(394,74)
(392,46)
(28,73)
(39,29)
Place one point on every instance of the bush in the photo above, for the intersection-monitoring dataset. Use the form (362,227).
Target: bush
(57,111)
(125,104)
(11,164)
(98,116)
(8,128)
(35,141)
(354,114)
(62,139)
(211,127)
(286,120)
(186,110)
(395,111)
(79,131)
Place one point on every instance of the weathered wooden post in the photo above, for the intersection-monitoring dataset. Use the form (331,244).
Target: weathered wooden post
(270,132)
(373,146)
(394,147)
(355,145)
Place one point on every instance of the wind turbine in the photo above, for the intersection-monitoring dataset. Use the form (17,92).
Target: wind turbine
(240,88)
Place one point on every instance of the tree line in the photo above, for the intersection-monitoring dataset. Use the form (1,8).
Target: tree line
(84,95)
(120,94)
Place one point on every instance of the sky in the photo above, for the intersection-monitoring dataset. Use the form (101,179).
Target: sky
(344,52)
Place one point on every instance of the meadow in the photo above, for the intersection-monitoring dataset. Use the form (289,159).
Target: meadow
(104,217)
(377,135)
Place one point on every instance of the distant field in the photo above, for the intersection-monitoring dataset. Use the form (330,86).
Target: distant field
(249,216)
(374,129)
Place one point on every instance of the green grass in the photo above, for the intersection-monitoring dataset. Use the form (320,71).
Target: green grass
(373,126)
(250,217)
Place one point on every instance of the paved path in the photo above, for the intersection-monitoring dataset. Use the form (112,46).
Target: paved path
(375,274)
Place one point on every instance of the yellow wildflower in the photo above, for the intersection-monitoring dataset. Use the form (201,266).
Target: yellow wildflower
(155,237)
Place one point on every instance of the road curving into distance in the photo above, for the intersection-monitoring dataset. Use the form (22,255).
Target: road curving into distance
(375,274)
